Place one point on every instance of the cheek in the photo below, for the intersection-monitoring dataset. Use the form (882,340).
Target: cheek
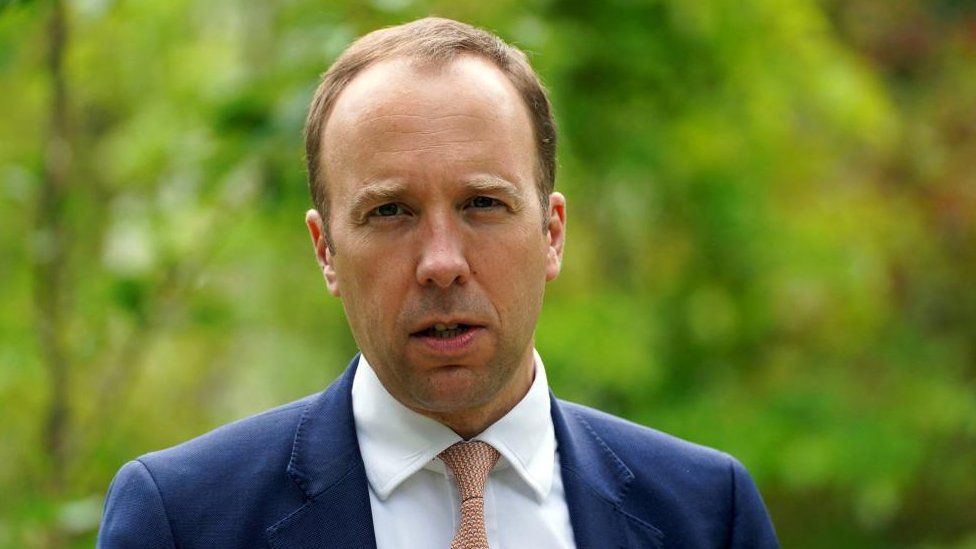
(372,286)
(515,271)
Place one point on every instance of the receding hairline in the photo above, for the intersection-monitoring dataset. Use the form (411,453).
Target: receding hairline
(435,66)
(421,65)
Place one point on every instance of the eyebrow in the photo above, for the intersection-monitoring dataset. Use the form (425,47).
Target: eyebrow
(498,186)
(381,191)
(390,191)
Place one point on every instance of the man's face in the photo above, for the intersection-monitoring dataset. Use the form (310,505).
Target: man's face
(441,257)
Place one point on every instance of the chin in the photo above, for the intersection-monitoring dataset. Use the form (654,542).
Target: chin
(454,390)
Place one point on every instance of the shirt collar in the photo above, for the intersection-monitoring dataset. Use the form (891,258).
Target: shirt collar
(396,442)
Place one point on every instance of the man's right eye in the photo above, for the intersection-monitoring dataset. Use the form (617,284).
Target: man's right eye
(387,210)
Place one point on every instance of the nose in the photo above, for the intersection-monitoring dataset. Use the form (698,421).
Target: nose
(442,257)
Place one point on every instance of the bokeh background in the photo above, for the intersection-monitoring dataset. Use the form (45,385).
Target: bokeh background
(772,239)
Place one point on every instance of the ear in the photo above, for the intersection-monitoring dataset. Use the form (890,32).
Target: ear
(556,232)
(320,241)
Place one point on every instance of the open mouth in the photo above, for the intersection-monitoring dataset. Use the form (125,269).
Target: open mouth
(445,331)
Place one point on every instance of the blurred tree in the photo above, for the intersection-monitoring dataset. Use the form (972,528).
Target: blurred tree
(771,250)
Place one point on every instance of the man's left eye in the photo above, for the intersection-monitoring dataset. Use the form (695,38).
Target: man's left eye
(484,202)
(387,210)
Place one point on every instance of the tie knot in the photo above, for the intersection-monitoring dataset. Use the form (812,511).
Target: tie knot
(470,462)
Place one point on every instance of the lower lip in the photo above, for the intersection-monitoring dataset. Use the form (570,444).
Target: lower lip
(451,345)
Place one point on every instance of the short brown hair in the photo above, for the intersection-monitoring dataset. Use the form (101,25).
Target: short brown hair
(431,40)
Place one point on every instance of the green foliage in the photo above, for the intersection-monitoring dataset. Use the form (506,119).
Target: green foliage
(772,240)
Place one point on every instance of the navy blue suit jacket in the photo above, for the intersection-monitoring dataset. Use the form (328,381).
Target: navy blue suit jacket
(292,477)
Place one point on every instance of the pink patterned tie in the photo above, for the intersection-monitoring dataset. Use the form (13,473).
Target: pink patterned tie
(471,462)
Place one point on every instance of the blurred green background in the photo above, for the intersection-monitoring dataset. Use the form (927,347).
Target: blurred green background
(772,239)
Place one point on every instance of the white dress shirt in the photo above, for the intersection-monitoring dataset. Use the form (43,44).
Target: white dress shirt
(414,501)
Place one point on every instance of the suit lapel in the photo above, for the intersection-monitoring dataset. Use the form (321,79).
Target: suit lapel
(595,481)
(326,465)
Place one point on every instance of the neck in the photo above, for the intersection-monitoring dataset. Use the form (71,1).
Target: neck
(470,422)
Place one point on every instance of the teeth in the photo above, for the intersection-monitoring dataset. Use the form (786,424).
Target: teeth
(442,327)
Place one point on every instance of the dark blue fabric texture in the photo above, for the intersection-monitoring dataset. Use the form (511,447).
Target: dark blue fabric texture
(293,477)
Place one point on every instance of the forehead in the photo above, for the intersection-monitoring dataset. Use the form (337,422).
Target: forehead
(468,84)
(405,114)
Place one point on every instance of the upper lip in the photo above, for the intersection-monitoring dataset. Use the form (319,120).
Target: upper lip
(429,323)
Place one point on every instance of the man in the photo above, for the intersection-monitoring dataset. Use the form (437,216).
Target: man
(431,159)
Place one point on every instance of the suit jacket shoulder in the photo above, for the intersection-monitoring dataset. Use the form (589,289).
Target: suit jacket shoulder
(685,494)
(289,477)
(208,489)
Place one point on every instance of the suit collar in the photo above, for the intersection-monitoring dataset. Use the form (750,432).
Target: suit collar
(596,482)
(327,466)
